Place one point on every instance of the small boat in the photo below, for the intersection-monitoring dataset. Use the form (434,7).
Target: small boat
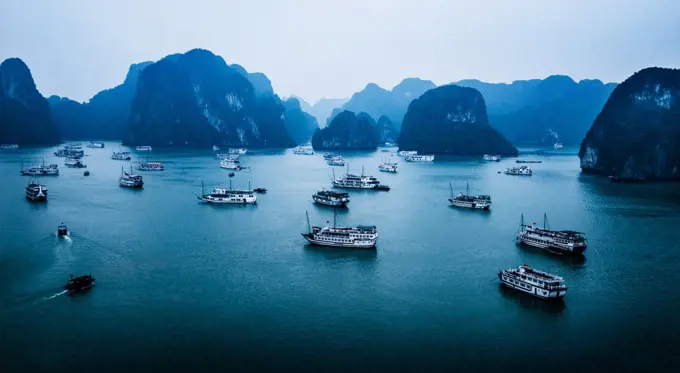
(86,173)
(36,192)
(492,158)
(331,198)
(337,161)
(519,171)
(359,237)
(121,156)
(382,187)
(350,181)
(40,170)
(303,150)
(216,148)
(534,282)
(227,196)
(74,162)
(260,190)
(231,174)
(240,151)
(73,146)
(62,230)
(407,153)
(465,200)
(330,156)
(527,161)
(9,146)
(80,283)
(390,144)
(72,153)
(230,165)
(558,145)
(386,166)
(559,242)
(96,145)
(130,180)
(151,166)
(144,148)
(419,158)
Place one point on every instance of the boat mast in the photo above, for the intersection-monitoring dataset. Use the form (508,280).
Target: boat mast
(202,188)
(335,217)
(521,223)
(451,189)
(309,227)
(545,221)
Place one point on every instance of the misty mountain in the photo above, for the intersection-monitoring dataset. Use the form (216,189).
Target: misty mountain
(322,109)
(347,131)
(300,125)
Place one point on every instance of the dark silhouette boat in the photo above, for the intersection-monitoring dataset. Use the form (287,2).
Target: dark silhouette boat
(81,283)
(260,190)
(62,230)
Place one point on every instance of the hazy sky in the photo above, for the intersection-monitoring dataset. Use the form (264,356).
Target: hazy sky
(317,48)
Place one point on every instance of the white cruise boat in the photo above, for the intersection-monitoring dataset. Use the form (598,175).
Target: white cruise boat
(407,153)
(303,150)
(359,237)
(240,151)
(40,170)
(534,282)
(337,161)
(73,153)
(390,144)
(121,156)
(73,146)
(231,157)
(228,196)
(151,166)
(558,145)
(230,165)
(466,200)
(330,156)
(519,171)
(492,158)
(387,166)
(350,181)
(331,198)
(95,145)
(74,162)
(559,242)
(419,158)
(130,180)
(36,192)
(144,148)
(9,146)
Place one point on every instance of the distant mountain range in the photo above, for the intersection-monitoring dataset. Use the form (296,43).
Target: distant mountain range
(322,109)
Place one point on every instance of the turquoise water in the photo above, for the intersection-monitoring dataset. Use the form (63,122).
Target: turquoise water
(183,286)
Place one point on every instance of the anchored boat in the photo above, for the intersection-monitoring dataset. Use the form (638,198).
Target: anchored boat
(519,171)
(96,145)
(350,181)
(121,156)
(151,166)
(144,148)
(303,150)
(359,237)
(331,198)
(40,170)
(419,158)
(35,191)
(534,282)
(559,242)
(492,158)
(407,153)
(74,162)
(228,196)
(465,200)
(130,180)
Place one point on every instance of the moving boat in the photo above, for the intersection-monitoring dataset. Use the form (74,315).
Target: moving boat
(144,148)
(534,282)
(558,242)
(492,158)
(74,162)
(558,145)
(407,153)
(465,200)
(303,150)
(121,156)
(350,181)
(228,196)
(130,180)
(230,165)
(86,173)
(519,171)
(419,158)
(40,170)
(260,190)
(386,166)
(359,237)
(80,283)
(231,174)
(337,161)
(240,151)
(36,192)
(151,166)
(331,198)
(62,230)
(96,145)
(231,157)
(9,146)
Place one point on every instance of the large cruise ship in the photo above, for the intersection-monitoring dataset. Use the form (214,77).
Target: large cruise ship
(534,282)
(419,158)
(227,196)
(130,180)
(358,182)
(40,170)
(559,242)
(465,200)
(519,171)
(35,191)
(331,198)
(359,237)
(121,156)
(230,164)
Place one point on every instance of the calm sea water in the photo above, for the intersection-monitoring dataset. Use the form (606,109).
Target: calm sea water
(189,287)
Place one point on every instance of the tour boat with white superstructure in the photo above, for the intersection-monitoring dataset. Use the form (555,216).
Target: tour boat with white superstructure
(228,196)
(9,146)
(407,153)
(337,161)
(231,157)
(73,146)
(519,171)
(230,165)
(350,181)
(40,170)
(72,153)
(144,148)
(95,145)
(330,156)
(35,191)
(419,158)
(387,166)
(121,156)
(465,200)
(151,166)
(558,242)
(240,151)
(303,150)
(359,237)
(492,158)
(130,180)
(331,198)
(534,282)
(74,162)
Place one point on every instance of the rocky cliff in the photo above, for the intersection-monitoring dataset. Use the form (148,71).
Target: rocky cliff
(195,99)
(347,131)
(25,116)
(451,120)
(386,131)
(637,134)
(300,125)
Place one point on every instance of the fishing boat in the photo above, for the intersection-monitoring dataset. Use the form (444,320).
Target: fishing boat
(62,230)
(239,151)
(559,242)
(331,198)
(151,166)
(359,237)
(121,156)
(558,145)
(533,282)
(40,170)
(350,181)
(36,192)
(95,145)
(216,148)
(9,146)
(387,166)
(303,150)
(527,161)
(519,171)
(74,162)
(130,180)
(144,148)
(491,158)
(227,196)
(231,174)
(338,161)
(466,200)
(86,173)
(80,283)
(407,153)
(230,165)
(419,158)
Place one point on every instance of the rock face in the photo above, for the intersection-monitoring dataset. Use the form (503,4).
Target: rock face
(260,82)
(637,134)
(196,100)
(377,101)
(347,131)
(25,116)
(451,120)
(385,130)
(543,112)
(104,117)
(300,125)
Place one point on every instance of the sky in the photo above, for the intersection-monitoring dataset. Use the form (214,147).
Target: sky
(328,48)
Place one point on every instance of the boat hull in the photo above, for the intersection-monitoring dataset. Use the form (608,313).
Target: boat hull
(470,205)
(326,202)
(534,291)
(552,247)
(310,238)
(228,200)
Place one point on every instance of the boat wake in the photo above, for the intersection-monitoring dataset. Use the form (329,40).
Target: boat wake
(29,300)
(56,295)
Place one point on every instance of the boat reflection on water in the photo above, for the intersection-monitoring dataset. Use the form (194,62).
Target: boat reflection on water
(330,253)
(532,304)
